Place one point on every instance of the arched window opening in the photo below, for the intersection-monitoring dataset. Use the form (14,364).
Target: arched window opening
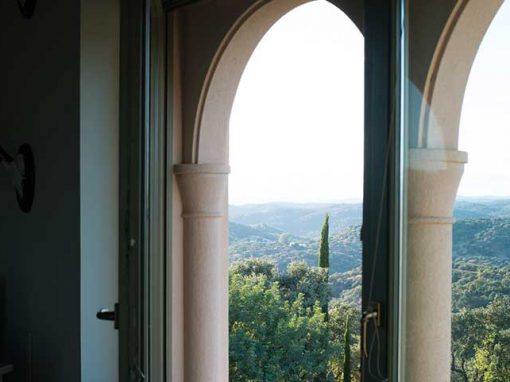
(296,154)
(481,234)
(453,263)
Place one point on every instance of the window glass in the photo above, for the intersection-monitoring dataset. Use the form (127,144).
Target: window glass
(456,258)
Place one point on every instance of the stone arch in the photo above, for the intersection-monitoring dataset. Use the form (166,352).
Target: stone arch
(210,126)
(212,42)
(448,74)
(434,174)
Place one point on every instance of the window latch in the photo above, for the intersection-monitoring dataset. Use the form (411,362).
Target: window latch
(373,312)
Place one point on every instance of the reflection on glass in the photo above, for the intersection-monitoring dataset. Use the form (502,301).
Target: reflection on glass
(443,229)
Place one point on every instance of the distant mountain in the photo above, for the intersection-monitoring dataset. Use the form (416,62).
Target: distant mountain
(305,220)
(346,286)
(482,208)
(282,248)
(297,219)
(263,241)
(284,233)
(487,238)
(255,232)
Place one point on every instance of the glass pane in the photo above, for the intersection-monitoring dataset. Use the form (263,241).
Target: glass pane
(457,70)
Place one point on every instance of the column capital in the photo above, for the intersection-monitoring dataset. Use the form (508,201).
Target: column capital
(433,179)
(203,189)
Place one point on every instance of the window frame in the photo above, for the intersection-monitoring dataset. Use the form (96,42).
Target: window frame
(144,90)
(384,202)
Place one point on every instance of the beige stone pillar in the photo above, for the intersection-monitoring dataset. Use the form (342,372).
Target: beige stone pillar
(434,177)
(203,189)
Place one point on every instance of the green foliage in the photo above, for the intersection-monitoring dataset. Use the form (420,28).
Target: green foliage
(274,303)
(347,353)
(480,324)
(476,283)
(474,238)
(481,343)
(311,283)
(324,256)
(277,329)
(252,267)
(324,244)
(273,339)
(262,242)
(346,286)
(341,316)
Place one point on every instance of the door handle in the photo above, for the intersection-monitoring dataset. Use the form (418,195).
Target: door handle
(372,313)
(109,315)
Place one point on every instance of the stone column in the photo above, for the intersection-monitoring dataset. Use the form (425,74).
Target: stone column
(434,177)
(203,189)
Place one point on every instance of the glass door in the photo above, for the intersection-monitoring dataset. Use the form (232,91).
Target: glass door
(143,183)
(455,261)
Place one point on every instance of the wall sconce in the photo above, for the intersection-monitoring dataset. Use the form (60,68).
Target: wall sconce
(21,169)
(27,7)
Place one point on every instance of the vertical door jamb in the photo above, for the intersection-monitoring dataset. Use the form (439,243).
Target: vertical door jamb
(131,189)
(157,196)
(142,260)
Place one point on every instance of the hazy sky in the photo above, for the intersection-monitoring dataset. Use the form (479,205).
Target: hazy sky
(296,129)
(485,123)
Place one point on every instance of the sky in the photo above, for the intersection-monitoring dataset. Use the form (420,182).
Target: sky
(296,128)
(485,120)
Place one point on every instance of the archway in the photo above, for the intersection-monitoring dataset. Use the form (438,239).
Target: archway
(211,120)
(435,170)
(211,76)
(480,260)
(296,153)
(448,74)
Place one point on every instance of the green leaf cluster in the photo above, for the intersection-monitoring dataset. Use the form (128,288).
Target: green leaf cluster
(278,331)
(481,322)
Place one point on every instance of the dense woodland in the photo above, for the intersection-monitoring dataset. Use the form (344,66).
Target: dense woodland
(280,329)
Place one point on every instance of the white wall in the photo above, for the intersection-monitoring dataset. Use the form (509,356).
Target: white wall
(99,171)
(58,264)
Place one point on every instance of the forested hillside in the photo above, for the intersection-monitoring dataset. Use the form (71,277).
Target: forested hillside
(284,239)
(263,241)
(305,219)
(297,219)
(286,231)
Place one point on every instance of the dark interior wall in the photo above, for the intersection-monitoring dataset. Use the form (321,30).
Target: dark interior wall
(40,251)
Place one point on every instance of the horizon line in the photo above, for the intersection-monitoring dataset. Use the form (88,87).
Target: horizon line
(358,201)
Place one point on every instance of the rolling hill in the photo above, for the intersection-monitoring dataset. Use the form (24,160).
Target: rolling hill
(284,233)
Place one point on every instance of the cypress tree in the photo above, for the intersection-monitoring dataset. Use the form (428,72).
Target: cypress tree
(347,352)
(324,258)
(324,245)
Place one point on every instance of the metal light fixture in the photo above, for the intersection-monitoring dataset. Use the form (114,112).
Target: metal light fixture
(21,169)
(27,7)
